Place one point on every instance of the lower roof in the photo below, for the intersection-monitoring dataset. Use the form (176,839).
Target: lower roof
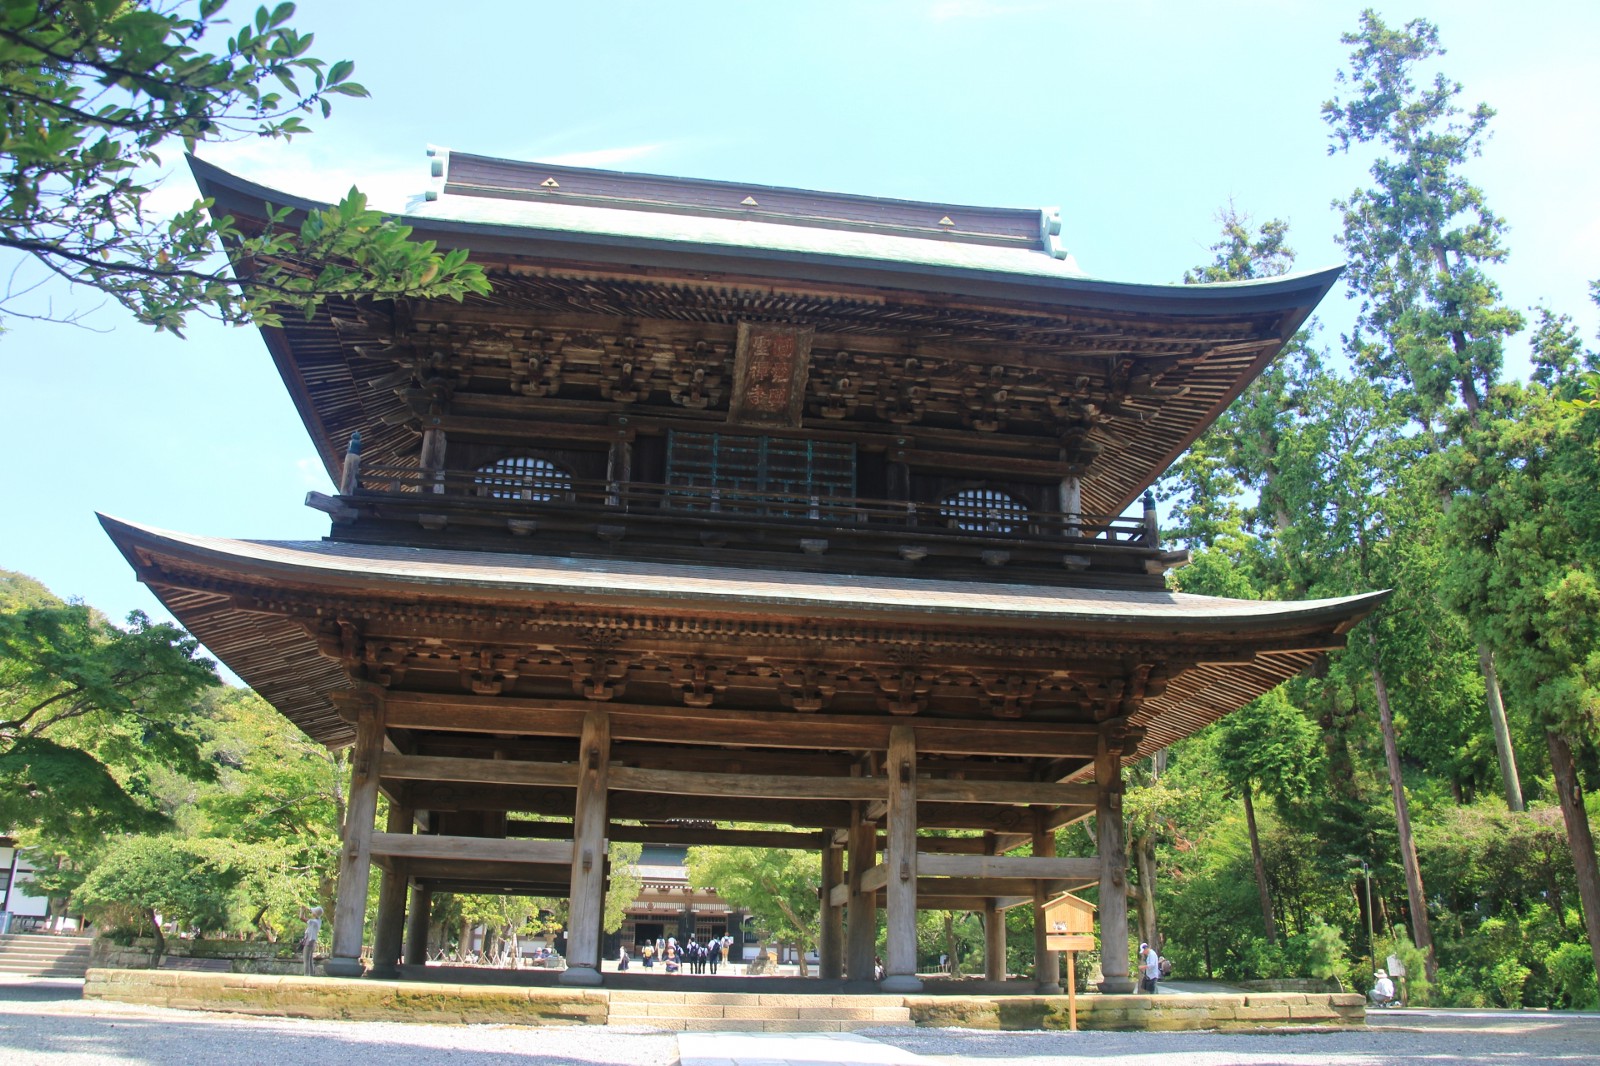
(280,658)
(490,576)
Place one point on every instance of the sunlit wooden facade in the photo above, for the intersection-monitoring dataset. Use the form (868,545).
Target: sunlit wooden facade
(737,504)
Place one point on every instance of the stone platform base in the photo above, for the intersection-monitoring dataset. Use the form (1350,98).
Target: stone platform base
(1274,1010)
(754,1011)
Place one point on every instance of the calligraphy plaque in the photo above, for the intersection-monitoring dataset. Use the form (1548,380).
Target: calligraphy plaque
(770,366)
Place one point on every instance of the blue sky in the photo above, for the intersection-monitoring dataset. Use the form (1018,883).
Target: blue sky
(1139,119)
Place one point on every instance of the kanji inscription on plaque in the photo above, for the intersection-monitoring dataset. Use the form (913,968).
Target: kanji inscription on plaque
(770,367)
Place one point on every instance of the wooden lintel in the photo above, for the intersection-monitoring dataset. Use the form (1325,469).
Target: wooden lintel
(628,806)
(1029,867)
(751,786)
(722,726)
(398,767)
(551,889)
(1040,793)
(480,849)
(990,887)
(875,878)
(490,871)
(944,893)
(690,836)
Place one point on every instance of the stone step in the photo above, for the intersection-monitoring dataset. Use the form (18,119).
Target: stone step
(754,1012)
(45,960)
(43,938)
(754,999)
(80,969)
(751,1025)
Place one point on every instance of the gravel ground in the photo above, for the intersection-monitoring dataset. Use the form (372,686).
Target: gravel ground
(48,1023)
(1437,1038)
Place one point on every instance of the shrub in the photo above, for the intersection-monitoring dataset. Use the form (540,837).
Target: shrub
(1571,969)
(1506,980)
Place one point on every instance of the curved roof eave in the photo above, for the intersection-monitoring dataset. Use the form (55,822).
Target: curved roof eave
(454,575)
(1303,291)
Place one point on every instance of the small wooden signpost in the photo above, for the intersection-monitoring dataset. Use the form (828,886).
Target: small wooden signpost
(1069,928)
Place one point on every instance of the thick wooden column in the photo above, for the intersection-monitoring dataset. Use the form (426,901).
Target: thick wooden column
(355,859)
(994,929)
(1046,963)
(861,932)
(1072,505)
(1112,837)
(586,905)
(388,928)
(418,922)
(432,458)
(900,856)
(831,949)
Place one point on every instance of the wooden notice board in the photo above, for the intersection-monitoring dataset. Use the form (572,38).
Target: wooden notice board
(1069,924)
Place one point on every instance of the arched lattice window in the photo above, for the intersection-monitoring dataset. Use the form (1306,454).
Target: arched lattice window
(984,511)
(523,477)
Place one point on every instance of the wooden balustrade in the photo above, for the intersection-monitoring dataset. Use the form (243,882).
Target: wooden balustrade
(534,494)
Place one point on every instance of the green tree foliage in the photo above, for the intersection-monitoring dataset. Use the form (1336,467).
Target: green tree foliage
(781,889)
(89,713)
(1421,236)
(208,884)
(98,93)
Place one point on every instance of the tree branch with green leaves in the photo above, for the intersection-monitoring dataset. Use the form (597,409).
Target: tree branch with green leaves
(94,94)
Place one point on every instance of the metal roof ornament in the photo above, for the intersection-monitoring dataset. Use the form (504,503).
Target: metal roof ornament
(749,201)
(550,183)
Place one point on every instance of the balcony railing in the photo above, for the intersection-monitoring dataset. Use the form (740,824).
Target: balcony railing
(554,494)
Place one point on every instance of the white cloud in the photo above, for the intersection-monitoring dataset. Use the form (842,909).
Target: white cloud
(601,157)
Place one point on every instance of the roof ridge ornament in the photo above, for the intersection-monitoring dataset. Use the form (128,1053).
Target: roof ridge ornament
(438,165)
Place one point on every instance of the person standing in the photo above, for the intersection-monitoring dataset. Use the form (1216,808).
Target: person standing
(1150,969)
(308,942)
(714,953)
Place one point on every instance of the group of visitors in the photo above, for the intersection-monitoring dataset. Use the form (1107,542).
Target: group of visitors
(694,956)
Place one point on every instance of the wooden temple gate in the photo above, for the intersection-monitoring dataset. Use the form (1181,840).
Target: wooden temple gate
(746,506)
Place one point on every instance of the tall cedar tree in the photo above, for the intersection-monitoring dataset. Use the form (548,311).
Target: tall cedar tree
(1420,239)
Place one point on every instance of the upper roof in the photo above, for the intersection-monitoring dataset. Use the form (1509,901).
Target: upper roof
(984,301)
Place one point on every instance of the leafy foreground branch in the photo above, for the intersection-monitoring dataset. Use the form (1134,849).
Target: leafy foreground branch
(93,92)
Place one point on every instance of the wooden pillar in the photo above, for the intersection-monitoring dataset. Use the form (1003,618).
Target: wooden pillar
(350,473)
(388,928)
(1046,963)
(861,932)
(994,929)
(619,470)
(832,946)
(587,901)
(1071,505)
(418,923)
(432,458)
(900,855)
(355,858)
(1112,838)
